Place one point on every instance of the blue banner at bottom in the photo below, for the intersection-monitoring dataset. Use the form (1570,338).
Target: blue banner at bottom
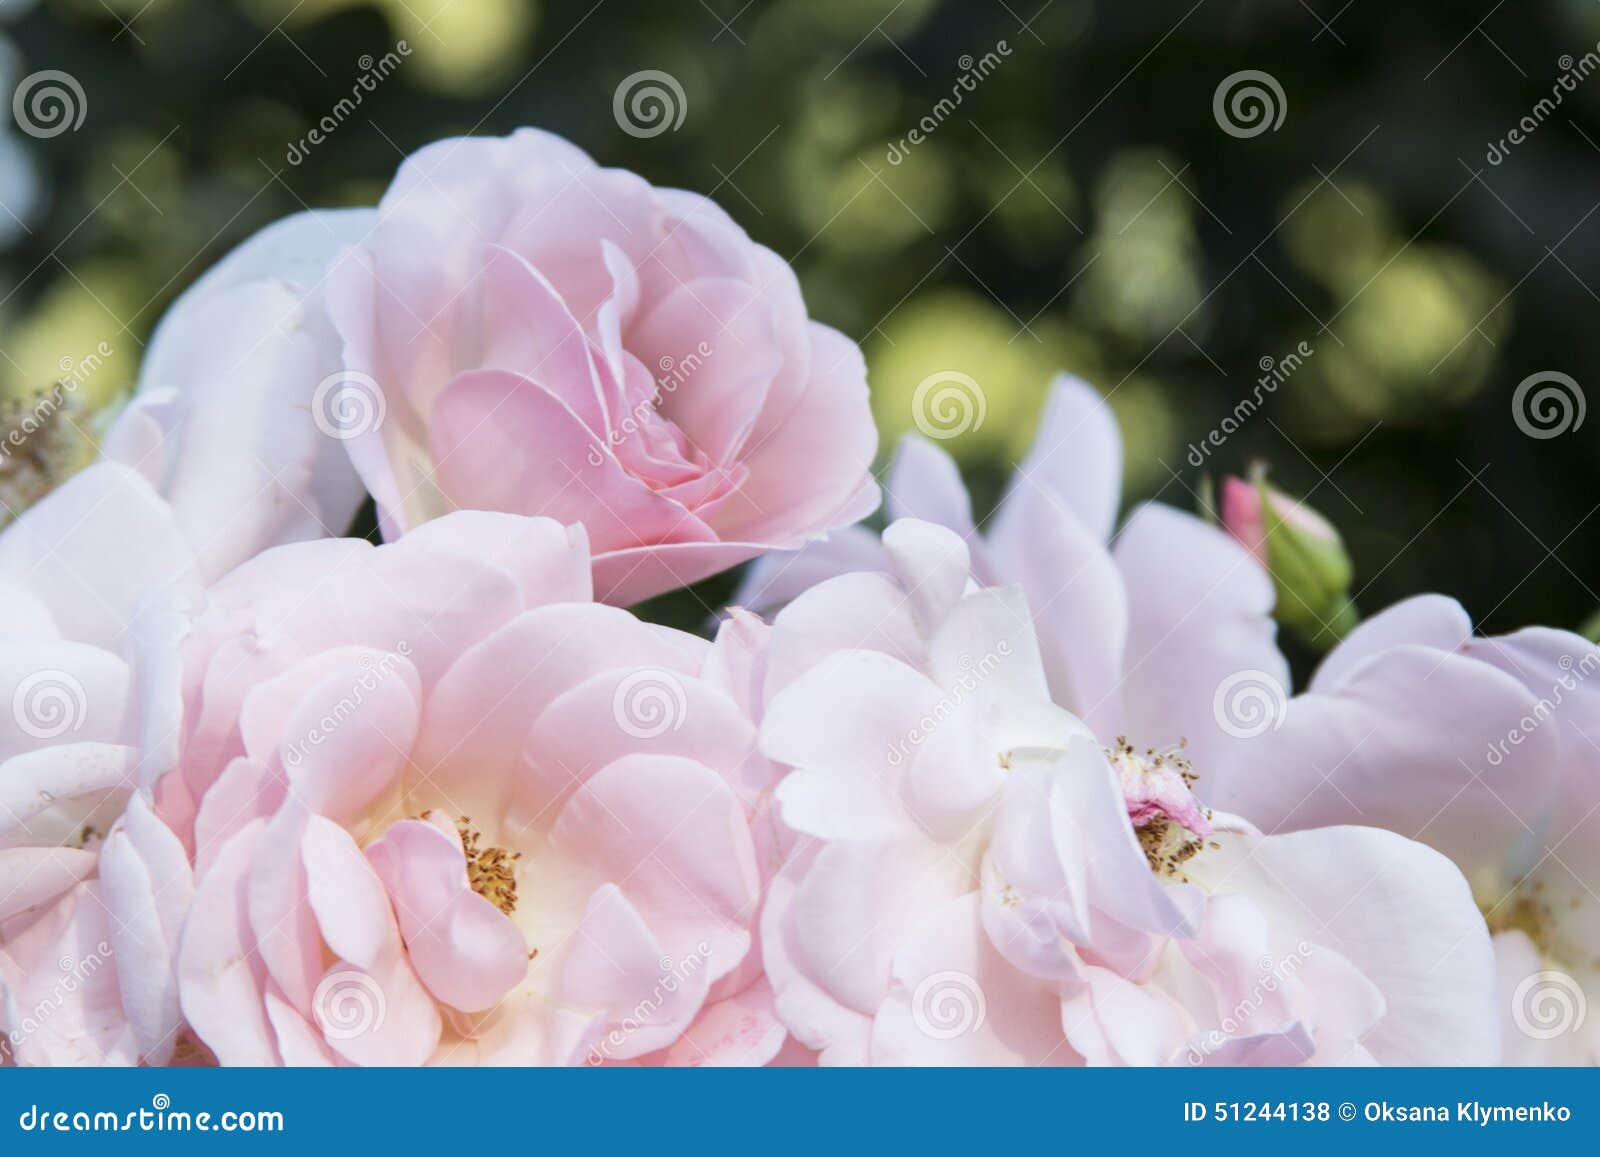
(789,1110)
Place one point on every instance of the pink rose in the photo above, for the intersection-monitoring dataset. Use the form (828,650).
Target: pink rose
(1491,759)
(985,881)
(93,885)
(527,332)
(223,424)
(444,808)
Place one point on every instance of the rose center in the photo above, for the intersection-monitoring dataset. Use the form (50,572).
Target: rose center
(53,450)
(491,871)
(1171,825)
(1525,909)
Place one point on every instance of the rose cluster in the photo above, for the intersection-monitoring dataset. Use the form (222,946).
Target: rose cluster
(1031,790)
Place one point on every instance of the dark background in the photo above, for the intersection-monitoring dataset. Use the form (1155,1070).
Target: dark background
(1081,208)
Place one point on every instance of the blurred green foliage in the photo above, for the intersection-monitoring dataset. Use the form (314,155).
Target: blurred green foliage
(1079,208)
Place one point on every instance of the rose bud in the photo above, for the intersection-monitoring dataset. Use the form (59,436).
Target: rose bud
(1302,552)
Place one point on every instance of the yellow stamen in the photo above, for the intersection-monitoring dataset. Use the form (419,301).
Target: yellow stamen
(491,871)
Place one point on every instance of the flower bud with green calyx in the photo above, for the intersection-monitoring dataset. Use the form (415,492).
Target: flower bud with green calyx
(1301,550)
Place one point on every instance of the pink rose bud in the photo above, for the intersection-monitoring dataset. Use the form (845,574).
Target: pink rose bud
(1300,549)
